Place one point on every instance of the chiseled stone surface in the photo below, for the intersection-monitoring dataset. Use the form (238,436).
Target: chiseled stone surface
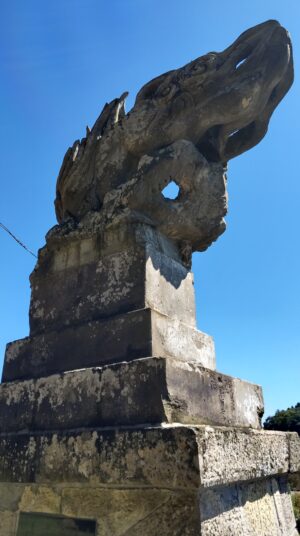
(137,334)
(8,523)
(259,508)
(153,390)
(45,499)
(179,457)
(231,454)
(117,512)
(117,339)
(133,513)
(294,453)
(176,339)
(203,396)
(158,457)
(82,278)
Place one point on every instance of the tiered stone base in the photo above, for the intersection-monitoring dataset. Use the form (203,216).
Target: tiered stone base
(112,410)
(155,481)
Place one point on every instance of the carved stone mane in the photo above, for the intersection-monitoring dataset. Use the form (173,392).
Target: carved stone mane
(184,127)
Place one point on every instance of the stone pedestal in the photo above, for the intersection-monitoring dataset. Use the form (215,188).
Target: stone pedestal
(112,410)
(100,298)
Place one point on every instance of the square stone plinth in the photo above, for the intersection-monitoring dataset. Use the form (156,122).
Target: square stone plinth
(82,278)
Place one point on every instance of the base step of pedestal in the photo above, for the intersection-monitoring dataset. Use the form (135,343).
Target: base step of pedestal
(150,390)
(261,508)
(166,456)
(146,332)
(159,481)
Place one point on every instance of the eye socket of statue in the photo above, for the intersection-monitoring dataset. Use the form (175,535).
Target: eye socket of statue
(199,68)
(165,91)
(148,91)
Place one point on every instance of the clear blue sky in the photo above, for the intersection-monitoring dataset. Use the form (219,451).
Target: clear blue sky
(60,62)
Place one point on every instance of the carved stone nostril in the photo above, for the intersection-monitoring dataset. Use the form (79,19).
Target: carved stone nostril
(240,63)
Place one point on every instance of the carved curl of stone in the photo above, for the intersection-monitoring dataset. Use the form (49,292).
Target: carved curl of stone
(184,127)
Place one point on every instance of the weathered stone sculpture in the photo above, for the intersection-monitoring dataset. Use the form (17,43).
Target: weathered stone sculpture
(185,126)
(112,415)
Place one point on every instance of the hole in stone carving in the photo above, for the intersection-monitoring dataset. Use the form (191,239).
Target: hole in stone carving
(241,62)
(233,133)
(171,191)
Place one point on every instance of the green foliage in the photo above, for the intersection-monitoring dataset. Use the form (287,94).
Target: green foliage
(296,506)
(287,420)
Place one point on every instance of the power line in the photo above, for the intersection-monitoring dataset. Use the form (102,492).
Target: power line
(17,240)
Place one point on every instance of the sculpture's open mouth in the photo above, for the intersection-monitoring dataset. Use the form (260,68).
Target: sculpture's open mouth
(222,102)
(258,71)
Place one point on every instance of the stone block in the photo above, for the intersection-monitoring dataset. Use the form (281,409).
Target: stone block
(10,496)
(177,516)
(159,457)
(261,508)
(86,292)
(8,525)
(131,512)
(173,457)
(150,390)
(43,499)
(249,509)
(294,452)
(81,279)
(116,511)
(141,333)
(234,455)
